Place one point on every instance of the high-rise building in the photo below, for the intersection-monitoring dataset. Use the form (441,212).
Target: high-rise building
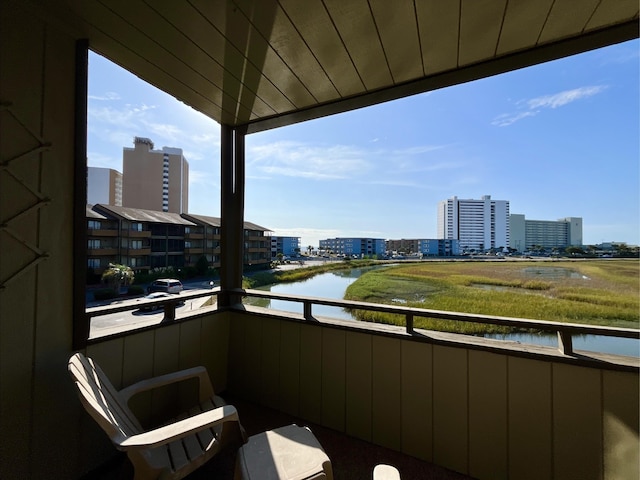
(478,224)
(104,185)
(527,234)
(155,179)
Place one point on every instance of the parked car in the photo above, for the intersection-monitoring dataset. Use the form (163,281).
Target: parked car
(167,285)
(157,296)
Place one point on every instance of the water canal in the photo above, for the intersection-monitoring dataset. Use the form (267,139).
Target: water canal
(333,285)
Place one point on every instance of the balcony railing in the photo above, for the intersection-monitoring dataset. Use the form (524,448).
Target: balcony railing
(472,405)
(564,331)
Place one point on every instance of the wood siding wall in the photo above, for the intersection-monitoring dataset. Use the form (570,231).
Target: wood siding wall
(485,414)
(37,68)
(45,431)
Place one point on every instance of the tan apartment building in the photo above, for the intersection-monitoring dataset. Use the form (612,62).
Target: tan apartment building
(155,179)
(147,239)
(104,185)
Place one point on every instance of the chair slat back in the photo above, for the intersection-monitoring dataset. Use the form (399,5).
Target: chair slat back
(101,399)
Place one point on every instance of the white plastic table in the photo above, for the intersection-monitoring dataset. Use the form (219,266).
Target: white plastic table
(285,453)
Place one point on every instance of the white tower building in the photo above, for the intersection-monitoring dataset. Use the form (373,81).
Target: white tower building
(477,224)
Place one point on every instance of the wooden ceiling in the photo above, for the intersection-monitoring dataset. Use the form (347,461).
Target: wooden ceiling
(267,63)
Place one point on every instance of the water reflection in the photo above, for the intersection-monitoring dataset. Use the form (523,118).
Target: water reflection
(333,285)
(552,273)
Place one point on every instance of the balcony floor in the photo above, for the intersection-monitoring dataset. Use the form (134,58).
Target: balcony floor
(351,458)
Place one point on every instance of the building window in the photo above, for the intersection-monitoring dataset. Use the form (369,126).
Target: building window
(93,263)
(94,225)
(136,227)
(94,244)
(136,244)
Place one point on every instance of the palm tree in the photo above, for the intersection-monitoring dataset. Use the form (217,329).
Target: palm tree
(117,275)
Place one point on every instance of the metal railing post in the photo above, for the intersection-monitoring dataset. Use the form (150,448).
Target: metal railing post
(565,342)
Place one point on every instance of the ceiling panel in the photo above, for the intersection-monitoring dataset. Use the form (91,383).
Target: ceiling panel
(358,31)
(565,19)
(522,25)
(267,63)
(317,30)
(439,28)
(239,42)
(398,30)
(204,46)
(480,26)
(284,40)
(609,11)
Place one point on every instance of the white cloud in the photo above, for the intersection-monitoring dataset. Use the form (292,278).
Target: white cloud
(564,98)
(331,162)
(506,119)
(296,159)
(535,105)
(108,96)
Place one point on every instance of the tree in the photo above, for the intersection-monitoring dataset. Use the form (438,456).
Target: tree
(202,265)
(117,275)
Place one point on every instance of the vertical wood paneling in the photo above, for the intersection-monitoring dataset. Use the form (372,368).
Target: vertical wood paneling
(252,357)
(214,348)
(20,84)
(387,417)
(359,385)
(450,408)
(417,399)
(166,356)
(577,422)
(166,359)
(109,356)
(138,364)
(530,419)
(311,372)
(270,363)
(487,415)
(190,334)
(237,357)
(333,378)
(290,368)
(54,234)
(621,405)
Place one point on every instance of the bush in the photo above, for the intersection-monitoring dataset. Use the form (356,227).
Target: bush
(105,294)
(135,290)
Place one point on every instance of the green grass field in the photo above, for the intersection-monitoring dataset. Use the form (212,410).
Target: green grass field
(597,292)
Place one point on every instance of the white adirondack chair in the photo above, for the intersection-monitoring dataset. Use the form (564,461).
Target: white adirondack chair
(171,451)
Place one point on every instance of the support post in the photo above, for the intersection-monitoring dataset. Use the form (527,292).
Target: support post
(232,213)
(565,342)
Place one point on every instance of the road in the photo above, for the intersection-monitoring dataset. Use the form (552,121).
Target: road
(132,319)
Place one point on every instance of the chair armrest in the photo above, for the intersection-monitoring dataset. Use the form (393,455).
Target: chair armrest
(205,390)
(385,472)
(179,429)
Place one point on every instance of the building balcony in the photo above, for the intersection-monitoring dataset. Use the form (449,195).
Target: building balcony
(137,234)
(102,252)
(137,252)
(430,403)
(102,232)
(194,236)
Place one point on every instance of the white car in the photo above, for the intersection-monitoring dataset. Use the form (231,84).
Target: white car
(168,285)
(157,296)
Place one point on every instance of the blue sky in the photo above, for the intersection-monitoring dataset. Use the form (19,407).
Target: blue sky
(556,140)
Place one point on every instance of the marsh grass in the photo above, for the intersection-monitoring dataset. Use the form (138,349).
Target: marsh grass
(598,292)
